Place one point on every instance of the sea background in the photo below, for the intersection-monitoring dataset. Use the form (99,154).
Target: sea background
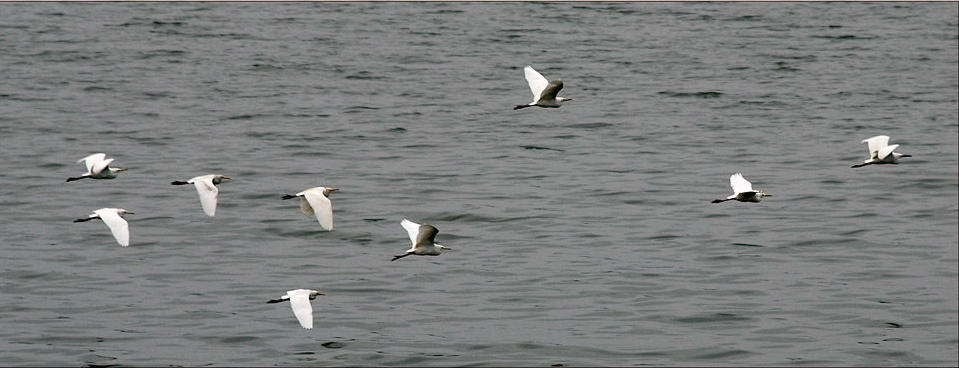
(581,236)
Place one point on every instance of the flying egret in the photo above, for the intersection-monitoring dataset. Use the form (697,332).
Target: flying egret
(422,237)
(98,167)
(743,190)
(880,152)
(206,187)
(111,217)
(316,201)
(300,301)
(544,91)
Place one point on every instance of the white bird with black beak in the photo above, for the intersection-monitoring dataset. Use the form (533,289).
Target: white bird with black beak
(544,91)
(423,238)
(316,202)
(111,217)
(880,152)
(300,301)
(743,190)
(98,167)
(206,188)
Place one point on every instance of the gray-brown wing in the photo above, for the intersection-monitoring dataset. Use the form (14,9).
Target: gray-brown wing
(427,234)
(551,90)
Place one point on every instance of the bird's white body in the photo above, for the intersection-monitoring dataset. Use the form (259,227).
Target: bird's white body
(206,188)
(98,167)
(422,237)
(316,202)
(743,190)
(300,302)
(880,152)
(544,91)
(118,226)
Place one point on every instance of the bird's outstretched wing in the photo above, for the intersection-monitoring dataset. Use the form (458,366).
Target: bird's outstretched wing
(207,191)
(98,167)
(427,235)
(740,184)
(412,228)
(92,160)
(305,206)
(550,92)
(302,309)
(876,143)
(886,151)
(118,226)
(537,82)
(315,203)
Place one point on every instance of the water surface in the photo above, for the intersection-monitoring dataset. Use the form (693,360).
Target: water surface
(581,236)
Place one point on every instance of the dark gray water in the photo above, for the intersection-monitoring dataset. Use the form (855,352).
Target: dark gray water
(581,235)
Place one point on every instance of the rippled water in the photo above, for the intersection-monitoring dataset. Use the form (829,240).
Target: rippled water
(581,235)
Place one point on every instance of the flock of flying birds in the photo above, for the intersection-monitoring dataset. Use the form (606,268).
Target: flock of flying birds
(316,202)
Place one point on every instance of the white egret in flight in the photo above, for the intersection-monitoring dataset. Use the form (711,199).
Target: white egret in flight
(206,188)
(422,237)
(544,91)
(880,152)
(111,217)
(743,190)
(316,201)
(300,301)
(98,167)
